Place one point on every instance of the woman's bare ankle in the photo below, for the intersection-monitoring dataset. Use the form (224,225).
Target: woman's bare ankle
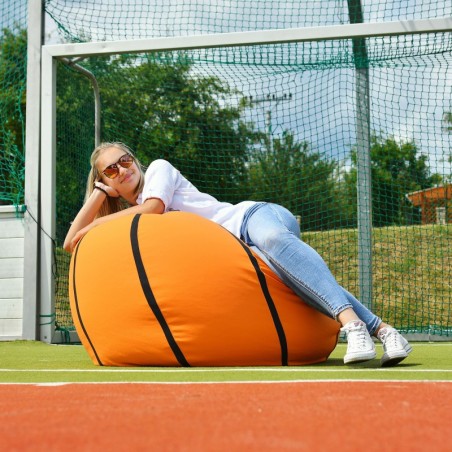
(380,327)
(348,315)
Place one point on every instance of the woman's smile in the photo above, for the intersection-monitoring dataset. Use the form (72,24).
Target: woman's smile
(127,177)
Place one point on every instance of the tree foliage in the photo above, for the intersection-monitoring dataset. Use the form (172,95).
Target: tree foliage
(289,173)
(13,51)
(181,117)
(448,121)
(448,126)
(397,168)
(160,109)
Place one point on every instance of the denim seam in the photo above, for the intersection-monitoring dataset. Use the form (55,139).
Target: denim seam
(373,329)
(338,310)
(314,294)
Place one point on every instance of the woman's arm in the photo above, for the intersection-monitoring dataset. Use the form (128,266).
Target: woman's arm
(86,218)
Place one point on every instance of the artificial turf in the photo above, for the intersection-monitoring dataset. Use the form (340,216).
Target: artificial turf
(37,362)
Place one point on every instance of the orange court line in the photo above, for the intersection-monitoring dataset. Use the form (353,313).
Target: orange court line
(375,416)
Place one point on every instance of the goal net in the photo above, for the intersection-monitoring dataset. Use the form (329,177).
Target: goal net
(279,122)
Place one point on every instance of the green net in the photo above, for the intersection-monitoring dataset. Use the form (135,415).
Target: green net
(278,123)
(13,71)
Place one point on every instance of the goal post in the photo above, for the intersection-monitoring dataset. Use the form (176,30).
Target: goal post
(30,319)
(47,121)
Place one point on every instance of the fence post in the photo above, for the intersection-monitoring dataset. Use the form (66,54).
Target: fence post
(30,329)
(364,182)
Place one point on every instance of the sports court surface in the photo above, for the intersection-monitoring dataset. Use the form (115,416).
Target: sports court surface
(53,398)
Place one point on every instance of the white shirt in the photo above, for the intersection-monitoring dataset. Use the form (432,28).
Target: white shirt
(166,183)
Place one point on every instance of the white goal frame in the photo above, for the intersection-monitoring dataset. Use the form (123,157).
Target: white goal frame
(44,121)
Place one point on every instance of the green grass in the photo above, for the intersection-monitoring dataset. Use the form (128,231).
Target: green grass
(412,274)
(36,362)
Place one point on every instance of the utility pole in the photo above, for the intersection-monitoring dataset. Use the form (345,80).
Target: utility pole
(269,99)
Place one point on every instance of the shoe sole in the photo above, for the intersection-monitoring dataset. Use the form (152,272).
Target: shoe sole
(387,361)
(360,359)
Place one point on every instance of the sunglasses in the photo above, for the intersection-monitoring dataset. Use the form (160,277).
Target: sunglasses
(112,171)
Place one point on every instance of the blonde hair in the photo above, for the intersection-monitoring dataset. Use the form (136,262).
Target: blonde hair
(110,205)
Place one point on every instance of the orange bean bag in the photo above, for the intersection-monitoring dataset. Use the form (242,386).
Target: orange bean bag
(179,290)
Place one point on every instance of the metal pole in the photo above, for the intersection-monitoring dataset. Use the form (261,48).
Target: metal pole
(97,105)
(364,182)
(270,98)
(31,300)
(48,190)
(251,38)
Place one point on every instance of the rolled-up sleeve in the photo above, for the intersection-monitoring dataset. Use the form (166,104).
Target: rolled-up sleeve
(161,181)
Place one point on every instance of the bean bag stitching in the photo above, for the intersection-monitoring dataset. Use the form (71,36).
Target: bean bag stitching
(270,303)
(149,295)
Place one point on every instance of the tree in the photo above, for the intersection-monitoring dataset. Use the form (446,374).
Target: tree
(448,126)
(448,121)
(182,117)
(13,51)
(75,142)
(161,109)
(397,168)
(290,174)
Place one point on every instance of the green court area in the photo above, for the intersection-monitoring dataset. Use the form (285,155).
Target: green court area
(36,362)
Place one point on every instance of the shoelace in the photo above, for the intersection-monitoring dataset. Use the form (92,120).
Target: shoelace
(387,335)
(360,339)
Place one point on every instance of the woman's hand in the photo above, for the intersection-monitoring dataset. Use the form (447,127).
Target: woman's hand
(79,235)
(85,218)
(111,192)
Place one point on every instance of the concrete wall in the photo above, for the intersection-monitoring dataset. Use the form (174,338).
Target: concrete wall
(11,273)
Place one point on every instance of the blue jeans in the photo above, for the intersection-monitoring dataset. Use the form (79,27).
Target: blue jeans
(273,233)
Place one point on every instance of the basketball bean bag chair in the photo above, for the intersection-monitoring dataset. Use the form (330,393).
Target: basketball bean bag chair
(179,290)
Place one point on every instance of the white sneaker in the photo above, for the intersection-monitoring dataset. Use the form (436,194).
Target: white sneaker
(396,347)
(360,345)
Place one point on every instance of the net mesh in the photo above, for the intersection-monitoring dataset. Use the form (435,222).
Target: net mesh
(13,48)
(277,123)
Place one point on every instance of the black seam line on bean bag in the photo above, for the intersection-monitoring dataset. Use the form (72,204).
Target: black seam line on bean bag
(270,303)
(150,298)
(79,315)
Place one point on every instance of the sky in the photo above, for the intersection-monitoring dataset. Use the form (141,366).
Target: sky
(407,101)
(182,17)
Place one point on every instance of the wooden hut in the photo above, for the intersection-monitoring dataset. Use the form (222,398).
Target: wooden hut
(435,204)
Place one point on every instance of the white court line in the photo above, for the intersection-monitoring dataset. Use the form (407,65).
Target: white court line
(223,370)
(246,382)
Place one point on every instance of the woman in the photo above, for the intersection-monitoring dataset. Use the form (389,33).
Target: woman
(117,176)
